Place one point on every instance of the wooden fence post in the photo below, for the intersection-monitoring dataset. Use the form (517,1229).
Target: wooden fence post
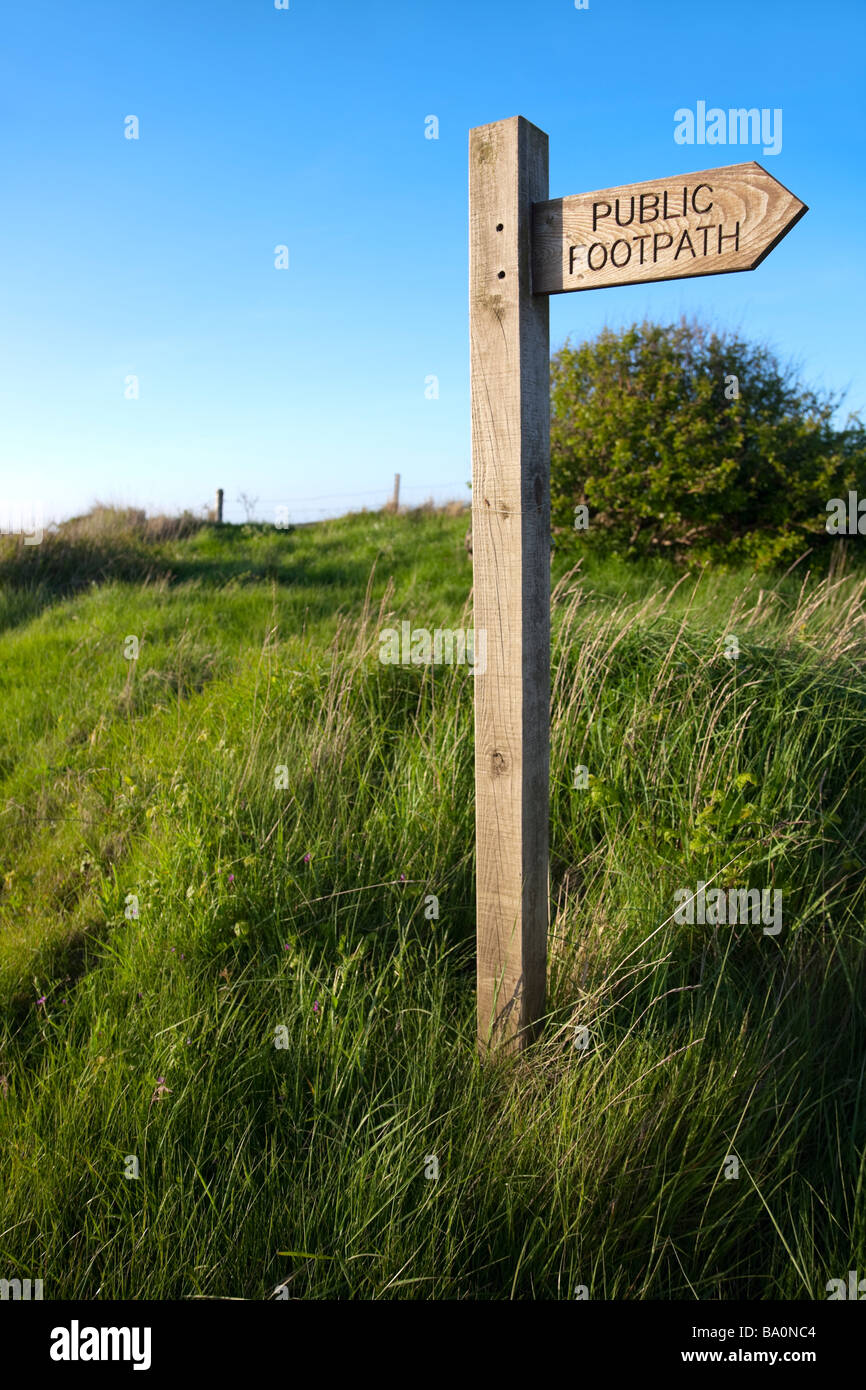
(218,508)
(510,383)
(396,502)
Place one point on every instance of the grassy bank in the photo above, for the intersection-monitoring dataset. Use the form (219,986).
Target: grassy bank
(283,1037)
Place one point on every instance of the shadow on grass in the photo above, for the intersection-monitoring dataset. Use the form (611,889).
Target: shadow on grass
(34,581)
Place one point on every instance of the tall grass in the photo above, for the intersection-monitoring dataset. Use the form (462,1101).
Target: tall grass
(284,1036)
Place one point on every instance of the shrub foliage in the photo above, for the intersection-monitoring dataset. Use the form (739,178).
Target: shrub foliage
(670,456)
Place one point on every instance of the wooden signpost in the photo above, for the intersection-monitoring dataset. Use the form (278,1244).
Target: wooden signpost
(523,246)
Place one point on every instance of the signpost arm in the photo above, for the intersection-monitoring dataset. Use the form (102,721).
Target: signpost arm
(510,380)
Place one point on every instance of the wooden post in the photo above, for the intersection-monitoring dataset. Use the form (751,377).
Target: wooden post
(396,502)
(218,509)
(510,369)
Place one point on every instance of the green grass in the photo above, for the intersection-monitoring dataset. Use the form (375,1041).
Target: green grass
(295,915)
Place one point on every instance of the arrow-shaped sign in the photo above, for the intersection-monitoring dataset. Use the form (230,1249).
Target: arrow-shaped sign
(665,229)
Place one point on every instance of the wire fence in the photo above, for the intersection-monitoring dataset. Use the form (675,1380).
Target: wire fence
(237,507)
(283,511)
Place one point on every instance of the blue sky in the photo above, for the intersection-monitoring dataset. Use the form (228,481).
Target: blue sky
(260,127)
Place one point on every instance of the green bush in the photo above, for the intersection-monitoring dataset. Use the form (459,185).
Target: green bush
(644,435)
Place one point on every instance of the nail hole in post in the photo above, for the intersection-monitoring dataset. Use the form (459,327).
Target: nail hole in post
(499,226)
(502,274)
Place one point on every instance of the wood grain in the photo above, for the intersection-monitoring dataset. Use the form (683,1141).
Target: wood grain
(732,218)
(510,383)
